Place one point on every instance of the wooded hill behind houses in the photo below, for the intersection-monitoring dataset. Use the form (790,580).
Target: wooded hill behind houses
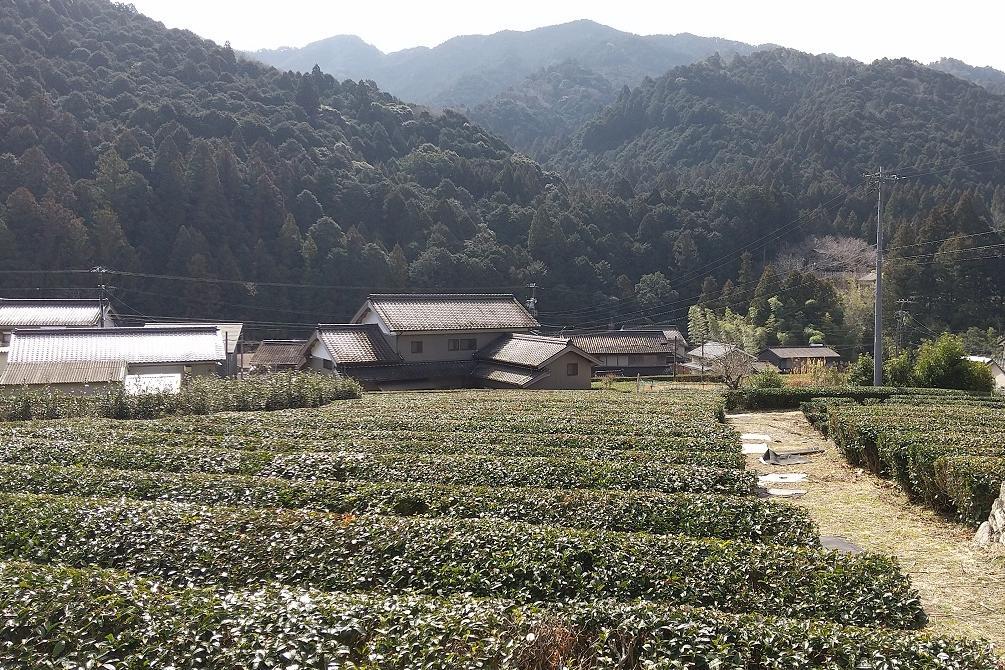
(154,152)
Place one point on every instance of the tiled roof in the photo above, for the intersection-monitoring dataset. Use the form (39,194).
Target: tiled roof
(66,372)
(511,376)
(274,353)
(42,313)
(526,350)
(357,344)
(713,350)
(132,345)
(230,333)
(626,342)
(804,352)
(427,312)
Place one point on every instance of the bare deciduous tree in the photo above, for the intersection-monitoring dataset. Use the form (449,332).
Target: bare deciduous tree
(733,366)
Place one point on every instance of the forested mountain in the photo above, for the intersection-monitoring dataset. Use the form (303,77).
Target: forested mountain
(468,70)
(218,188)
(988,77)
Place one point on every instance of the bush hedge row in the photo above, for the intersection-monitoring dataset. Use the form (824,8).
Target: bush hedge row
(696,515)
(342,466)
(792,397)
(234,547)
(711,451)
(200,395)
(129,622)
(912,442)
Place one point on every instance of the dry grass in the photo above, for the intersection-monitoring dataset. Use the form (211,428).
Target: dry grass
(962,586)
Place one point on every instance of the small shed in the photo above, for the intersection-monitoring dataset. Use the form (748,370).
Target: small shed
(788,359)
(277,355)
(88,359)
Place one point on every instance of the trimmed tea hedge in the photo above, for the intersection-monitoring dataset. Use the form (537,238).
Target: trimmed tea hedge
(697,515)
(133,623)
(719,453)
(233,547)
(463,469)
(910,439)
(200,395)
(793,397)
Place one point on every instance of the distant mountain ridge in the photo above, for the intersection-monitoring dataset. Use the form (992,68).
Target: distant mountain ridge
(468,70)
(988,77)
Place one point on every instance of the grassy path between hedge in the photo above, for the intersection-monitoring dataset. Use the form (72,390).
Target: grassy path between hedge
(962,587)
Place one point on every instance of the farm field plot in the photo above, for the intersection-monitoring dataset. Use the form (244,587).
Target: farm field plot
(488,529)
(948,453)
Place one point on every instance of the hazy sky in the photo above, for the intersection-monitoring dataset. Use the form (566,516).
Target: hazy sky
(923,30)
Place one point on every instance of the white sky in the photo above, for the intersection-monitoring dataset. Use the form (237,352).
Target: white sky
(924,30)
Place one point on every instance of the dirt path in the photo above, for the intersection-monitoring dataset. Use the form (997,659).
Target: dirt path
(962,587)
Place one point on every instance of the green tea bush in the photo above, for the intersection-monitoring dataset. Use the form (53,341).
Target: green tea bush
(462,469)
(131,622)
(233,547)
(200,395)
(697,515)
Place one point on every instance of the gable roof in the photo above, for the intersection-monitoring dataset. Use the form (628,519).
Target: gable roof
(804,352)
(355,344)
(230,333)
(272,353)
(64,372)
(511,376)
(532,351)
(713,350)
(627,342)
(131,345)
(43,313)
(420,312)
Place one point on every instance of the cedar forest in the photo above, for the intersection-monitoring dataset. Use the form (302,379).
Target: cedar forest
(284,198)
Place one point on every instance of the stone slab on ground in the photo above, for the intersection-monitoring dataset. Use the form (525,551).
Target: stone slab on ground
(782,478)
(786,493)
(755,448)
(755,437)
(840,544)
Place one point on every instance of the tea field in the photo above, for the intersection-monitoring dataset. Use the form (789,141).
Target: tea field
(474,529)
(948,452)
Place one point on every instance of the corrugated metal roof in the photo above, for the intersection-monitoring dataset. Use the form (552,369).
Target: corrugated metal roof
(273,353)
(66,372)
(625,342)
(519,349)
(357,344)
(804,352)
(230,333)
(429,312)
(42,313)
(502,374)
(133,345)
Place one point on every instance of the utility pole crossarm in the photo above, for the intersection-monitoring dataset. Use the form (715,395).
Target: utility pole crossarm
(879,178)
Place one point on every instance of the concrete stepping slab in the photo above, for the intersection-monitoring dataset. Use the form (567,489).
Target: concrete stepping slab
(754,448)
(786,493)
(755,437)
(782,478)
(839,544)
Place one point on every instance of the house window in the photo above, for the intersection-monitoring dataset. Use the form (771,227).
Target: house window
(327,364)
(4,339)
(468,344)
(572,369)
(416,346)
